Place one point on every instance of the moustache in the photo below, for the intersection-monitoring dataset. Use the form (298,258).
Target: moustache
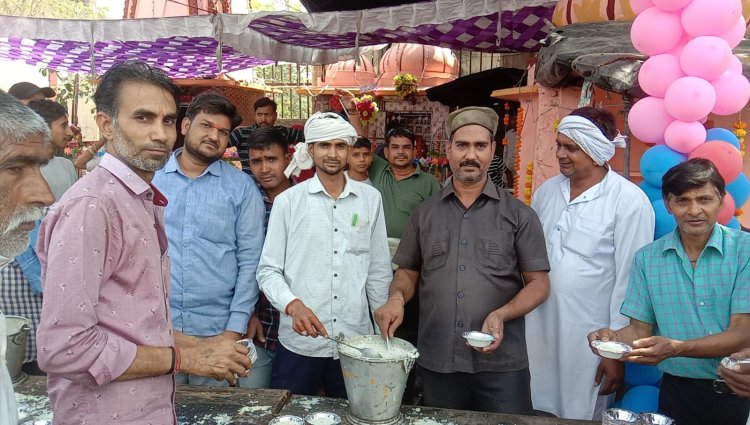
(29,215)
(469,163)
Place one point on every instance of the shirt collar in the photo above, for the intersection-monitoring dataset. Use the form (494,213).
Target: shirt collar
(715,241)
(173,166)
(589,194)
(417,170)
(316,186)
(128,177)
(490,189)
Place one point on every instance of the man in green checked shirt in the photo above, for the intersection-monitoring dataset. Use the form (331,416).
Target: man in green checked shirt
(688,300)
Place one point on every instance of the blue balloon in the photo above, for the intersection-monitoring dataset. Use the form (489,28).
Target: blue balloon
(641,399)
(739,188)
(734,224)
(638,374)
(665,221)
(653,192)
(724,135)
(656,161)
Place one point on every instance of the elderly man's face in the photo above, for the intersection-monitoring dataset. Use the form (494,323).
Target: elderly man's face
(23,192)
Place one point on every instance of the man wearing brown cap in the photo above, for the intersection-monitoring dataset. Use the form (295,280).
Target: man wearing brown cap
(479,257)
(26,92)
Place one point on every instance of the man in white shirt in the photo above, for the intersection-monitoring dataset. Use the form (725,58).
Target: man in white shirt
(594,221)
(59,172)
(23,196)
(325,265)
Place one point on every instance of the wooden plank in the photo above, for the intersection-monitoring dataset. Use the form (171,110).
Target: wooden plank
(515,93)
(193,404)
(414,415)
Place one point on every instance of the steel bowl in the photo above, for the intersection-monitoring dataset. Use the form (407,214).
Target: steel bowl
(620,417)
(729,362)
(656,419)
(478,339)
(322,418)
(611,349)
(287,420)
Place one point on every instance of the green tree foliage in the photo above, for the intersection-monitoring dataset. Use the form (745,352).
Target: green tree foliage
(60,9)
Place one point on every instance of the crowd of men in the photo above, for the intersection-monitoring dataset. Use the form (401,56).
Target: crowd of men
(148,270)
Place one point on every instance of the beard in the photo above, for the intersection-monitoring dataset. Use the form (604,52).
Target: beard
(129,154)
(14,241)
(195,151)
(470,178)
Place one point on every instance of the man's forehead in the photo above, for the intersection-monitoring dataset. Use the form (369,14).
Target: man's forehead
(707,189)
(148,97)
(472,133)
(30,149)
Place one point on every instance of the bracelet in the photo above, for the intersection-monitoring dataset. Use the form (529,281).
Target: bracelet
(174,359)
(398,298)
(178,360)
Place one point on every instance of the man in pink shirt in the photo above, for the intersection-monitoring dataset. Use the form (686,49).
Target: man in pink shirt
(105,337)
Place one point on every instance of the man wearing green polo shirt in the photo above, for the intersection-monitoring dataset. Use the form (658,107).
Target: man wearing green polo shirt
(401,183)
(688,300)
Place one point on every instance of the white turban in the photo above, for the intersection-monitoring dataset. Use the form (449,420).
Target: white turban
(590,138)
(320,127)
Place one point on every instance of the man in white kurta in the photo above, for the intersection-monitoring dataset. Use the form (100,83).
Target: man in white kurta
(594,221)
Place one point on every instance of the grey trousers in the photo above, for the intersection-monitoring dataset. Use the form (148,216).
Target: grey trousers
(497,392)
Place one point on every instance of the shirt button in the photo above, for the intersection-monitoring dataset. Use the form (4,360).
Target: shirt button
(188,204)
(335,275)
(335,297)
(463,242)
(460,324)
(334,320)
(701,303)
(335,230)
(334,207)
(185,268)
(187,225)
(185,245)
(710,333)
(335,252)
(466,215)
(460,295)
(462,268)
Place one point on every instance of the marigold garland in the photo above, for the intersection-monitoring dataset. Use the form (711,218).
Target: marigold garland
(519,130)
(406,86)
(740,130)
(528,185)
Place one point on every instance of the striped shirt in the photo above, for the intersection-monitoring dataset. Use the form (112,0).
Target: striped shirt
(685,303)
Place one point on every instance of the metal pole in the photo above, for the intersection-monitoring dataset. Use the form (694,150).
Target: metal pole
(627,103)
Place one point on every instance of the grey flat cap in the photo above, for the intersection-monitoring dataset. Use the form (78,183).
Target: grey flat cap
(475,115)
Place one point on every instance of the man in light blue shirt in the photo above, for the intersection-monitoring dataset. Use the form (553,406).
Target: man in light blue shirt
(214,223)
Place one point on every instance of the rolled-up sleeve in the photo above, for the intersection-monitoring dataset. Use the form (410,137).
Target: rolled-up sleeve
(77,249)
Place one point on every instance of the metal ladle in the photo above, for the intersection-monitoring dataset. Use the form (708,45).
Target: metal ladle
(366,352)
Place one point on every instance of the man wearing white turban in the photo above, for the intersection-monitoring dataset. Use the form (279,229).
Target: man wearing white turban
(594,221)
(325,265)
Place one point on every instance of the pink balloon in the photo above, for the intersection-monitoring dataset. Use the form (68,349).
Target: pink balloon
(684,136)
(732,93)
(735,65)
(706,57)
(690,98)
(725,157)
(648,119)
(655,31)
(703,120)
(728,209)
(671,5)
(658,72)
(734,36)
(710,17)
(639,6)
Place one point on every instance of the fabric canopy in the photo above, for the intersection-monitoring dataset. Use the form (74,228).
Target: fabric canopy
(189,46)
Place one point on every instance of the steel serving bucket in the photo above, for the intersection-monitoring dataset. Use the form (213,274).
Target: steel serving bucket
(374,387)
(17,330)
